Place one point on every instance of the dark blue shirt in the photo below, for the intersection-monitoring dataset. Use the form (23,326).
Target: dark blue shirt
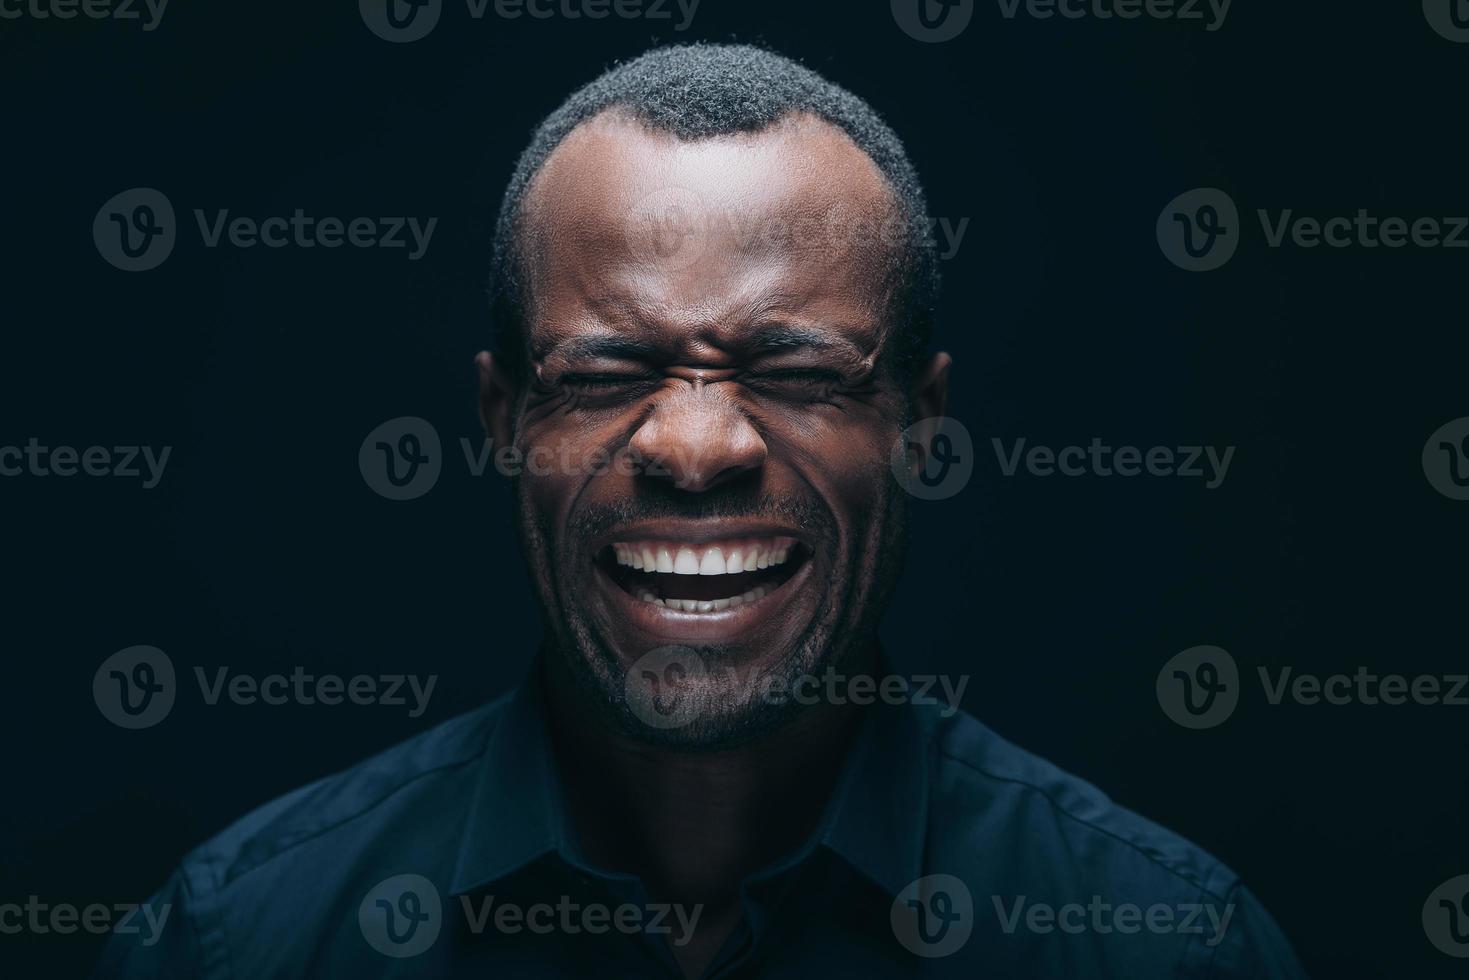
(944,851)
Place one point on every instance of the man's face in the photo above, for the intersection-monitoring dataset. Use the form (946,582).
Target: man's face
(709,410)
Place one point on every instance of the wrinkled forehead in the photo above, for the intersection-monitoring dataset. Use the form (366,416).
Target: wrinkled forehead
(626,222)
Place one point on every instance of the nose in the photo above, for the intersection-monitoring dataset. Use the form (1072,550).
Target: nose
(697,437)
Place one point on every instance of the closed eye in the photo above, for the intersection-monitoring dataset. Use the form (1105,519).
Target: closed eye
(794,378)
(605,382)
(797,374)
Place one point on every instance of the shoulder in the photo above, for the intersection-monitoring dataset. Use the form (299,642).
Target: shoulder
(1066,882)
(990,785)
(354,805)
(297,868)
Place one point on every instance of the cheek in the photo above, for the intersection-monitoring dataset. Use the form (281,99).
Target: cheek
(849,459)
(561,461)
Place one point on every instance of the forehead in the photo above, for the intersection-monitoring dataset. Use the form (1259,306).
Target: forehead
(690,244)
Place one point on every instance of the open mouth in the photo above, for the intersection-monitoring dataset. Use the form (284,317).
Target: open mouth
(706,577)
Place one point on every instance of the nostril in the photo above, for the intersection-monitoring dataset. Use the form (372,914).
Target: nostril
(723,476)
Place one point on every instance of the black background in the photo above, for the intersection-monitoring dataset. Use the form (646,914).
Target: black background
(263,549)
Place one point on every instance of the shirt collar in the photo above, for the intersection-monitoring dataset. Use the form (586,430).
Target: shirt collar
(516,814)
(875,820)
(878,815)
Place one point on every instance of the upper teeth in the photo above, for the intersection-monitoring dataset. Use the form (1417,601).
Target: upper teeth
(712,558)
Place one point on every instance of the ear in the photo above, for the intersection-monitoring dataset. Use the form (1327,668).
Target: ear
(496,400)
(930,392)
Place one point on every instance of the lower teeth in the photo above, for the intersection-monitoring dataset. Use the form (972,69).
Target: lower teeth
(704,605)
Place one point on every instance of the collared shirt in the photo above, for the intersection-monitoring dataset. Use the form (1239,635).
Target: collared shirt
(944,851)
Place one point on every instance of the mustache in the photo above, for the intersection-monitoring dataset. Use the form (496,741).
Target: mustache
(662,502)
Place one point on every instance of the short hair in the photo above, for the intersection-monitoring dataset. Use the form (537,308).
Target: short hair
(698,91)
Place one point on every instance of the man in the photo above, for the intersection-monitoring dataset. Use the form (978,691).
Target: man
(713,286)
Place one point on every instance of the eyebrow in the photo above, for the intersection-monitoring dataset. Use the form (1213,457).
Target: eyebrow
(776,337)
(788,338)
(611,345)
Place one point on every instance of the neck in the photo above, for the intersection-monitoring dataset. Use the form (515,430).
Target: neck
(692,824)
